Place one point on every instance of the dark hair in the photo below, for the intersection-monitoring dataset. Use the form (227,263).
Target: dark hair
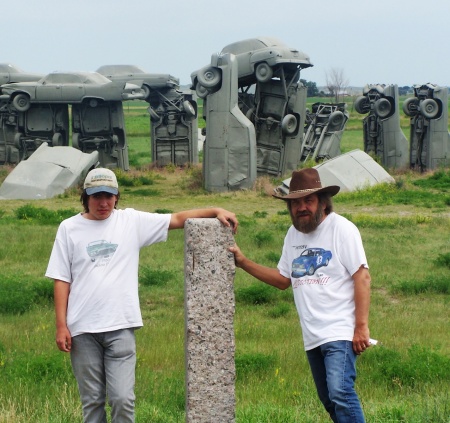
(325,198)
(84,199)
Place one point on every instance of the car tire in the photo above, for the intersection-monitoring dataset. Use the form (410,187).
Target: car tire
(209,76)
(201,91)
(250,115)
(115,140)
(57,139)
(362,105)
(263,72)
(21,102)
(336,119)
(147,91)
(311,270)
(17,137)
(429,108)
(76,140)
(188,108)
(382,108)
(411,106)
(154,116)
(289,124)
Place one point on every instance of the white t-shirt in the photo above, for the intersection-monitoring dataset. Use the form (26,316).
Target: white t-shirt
(320,266)
(100,260)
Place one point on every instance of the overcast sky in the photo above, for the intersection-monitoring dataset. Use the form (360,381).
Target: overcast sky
(383,41)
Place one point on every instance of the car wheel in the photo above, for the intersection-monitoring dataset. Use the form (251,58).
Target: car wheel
(263,72)
(115,139)
(21,102)
(188,108)
(209,76)
(153,114)
(76,140)
(362,105)
(93,102)
(201,91)
(17,138)
(327,261)
(311,270)
(289,124)
(336,118)
(250,115)
(411,106)
(382,108)
(429,108)
(57,139)
(146,90)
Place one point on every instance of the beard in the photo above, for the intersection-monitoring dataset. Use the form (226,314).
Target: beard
(310,225)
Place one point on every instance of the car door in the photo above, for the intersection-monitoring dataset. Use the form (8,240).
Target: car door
(49,90)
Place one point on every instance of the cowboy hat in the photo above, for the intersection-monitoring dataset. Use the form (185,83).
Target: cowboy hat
(305,182)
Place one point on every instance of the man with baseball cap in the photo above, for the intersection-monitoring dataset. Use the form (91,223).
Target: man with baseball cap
(324,262)
(94,263)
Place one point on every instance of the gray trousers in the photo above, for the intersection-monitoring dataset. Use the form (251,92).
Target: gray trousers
(104,366)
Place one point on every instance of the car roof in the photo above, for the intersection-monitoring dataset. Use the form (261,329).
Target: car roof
(119,69)
(251,44)
(8,67)
(76,77)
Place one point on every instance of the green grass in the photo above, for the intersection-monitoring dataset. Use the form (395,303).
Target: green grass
(405,228)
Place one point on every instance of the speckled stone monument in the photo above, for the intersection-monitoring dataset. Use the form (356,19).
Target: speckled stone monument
(209,308)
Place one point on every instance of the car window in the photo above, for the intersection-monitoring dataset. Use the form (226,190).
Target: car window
(62,78)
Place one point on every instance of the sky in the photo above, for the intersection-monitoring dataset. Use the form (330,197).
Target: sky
(383,41)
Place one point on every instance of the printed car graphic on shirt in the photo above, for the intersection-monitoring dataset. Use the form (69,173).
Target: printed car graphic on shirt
(100,248)
(309,261)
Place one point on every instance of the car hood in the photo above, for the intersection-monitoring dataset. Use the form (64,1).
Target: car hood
(16,86)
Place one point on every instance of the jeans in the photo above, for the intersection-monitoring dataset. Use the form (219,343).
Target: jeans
(333,366)
(104,363)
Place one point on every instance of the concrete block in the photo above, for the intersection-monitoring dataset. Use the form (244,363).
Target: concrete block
(209,330)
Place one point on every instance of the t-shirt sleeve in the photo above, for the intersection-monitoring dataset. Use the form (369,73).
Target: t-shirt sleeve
(152,227)
(284,266)
(59,264)
(352,254)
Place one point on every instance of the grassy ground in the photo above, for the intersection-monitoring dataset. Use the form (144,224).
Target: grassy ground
(405,229)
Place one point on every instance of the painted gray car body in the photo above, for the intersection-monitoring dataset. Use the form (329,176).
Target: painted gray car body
(324,128)
(258,59)
(69,87)
(10,73)
(134,74)
(265,75)
(429,136)
(47,173)
(383,136)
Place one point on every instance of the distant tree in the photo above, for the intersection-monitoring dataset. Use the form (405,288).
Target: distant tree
(336,82)
(404,90)
(312,90)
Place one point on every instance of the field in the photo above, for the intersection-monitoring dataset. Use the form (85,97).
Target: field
(405,228)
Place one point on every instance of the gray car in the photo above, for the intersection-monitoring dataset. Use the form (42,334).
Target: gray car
(69,88)
(259,59)
(134,74)
(10,73)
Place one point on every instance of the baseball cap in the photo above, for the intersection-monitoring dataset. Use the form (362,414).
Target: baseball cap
(101,180)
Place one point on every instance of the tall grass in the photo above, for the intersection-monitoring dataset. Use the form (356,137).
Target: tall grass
(405,229)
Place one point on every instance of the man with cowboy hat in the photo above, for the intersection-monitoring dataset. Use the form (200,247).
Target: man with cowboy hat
(323,259)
